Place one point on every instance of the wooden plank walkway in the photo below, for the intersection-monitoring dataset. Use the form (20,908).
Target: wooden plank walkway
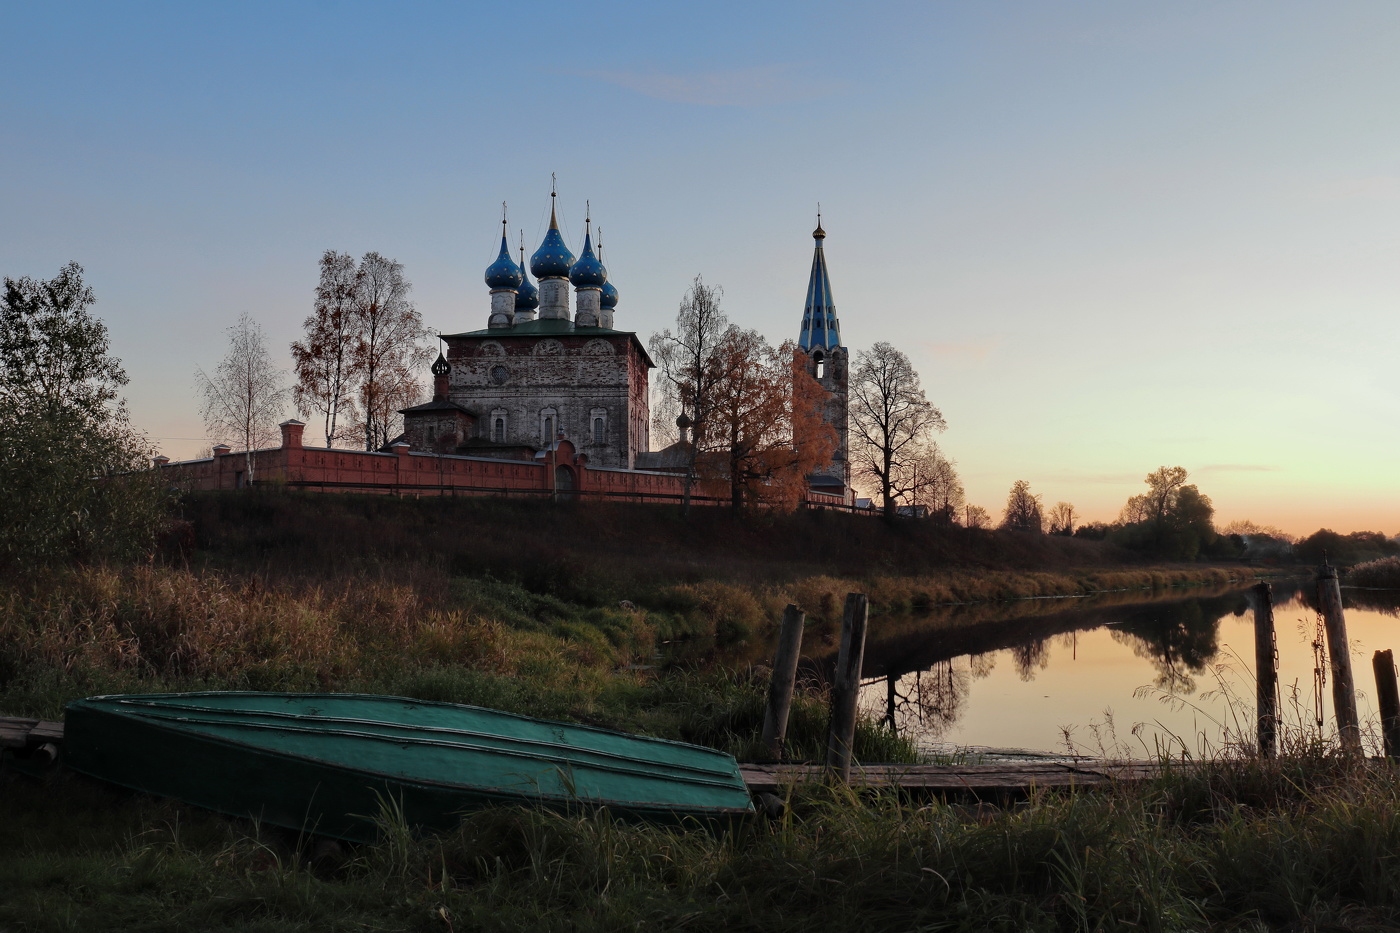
(1010,777)
(28,733)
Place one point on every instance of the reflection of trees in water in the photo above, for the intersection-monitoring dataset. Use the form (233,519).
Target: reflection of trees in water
(1178,639)
(929,702)
(1386,602)
(1031,657)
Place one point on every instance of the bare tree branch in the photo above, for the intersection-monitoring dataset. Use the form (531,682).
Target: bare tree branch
(326,375)
(891,419)
(245,397)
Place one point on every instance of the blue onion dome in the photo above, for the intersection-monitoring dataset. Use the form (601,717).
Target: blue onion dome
(588,272)
(503,273)
(553,259)
(527,296)
(609,299)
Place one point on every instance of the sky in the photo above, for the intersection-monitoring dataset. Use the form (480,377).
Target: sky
(1110,236)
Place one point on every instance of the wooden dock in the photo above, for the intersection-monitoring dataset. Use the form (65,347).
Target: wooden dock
(1009,778)
(31,736)
(37,737)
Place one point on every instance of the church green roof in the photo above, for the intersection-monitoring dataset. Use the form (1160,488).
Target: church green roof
(547,327)
(552,327)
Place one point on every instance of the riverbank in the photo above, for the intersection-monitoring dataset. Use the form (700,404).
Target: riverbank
(555,612)
(558,613)
(1304,844)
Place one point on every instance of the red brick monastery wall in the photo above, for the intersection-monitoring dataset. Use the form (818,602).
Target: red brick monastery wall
(561,472)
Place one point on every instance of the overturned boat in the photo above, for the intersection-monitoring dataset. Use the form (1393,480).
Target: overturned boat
(332,763)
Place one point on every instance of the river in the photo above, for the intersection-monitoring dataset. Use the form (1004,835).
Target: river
(1110,675)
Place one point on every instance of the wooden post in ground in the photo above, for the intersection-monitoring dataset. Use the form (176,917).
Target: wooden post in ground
(1329,594)
(1388,698)
(775,716)
(1266,675)
(845,687)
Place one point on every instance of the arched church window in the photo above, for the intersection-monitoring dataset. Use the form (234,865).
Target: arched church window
(820,359)
(599,419)
(549,425)
(498,425)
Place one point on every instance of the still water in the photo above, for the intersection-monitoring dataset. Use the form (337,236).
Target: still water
(1109,676)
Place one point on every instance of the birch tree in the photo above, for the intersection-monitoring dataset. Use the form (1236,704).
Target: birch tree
(326,375)
(388,351)
(246,395)
(689,370)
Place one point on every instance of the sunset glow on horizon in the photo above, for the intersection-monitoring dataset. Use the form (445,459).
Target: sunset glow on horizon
(1110,237)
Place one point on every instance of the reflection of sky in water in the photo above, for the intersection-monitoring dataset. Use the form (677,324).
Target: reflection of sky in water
(1132,687)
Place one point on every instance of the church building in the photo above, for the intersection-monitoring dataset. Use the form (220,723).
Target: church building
(538,375)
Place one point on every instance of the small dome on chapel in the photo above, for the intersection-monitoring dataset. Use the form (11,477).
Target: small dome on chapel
(588,271)
(609,299)
(527,296)
(503,273)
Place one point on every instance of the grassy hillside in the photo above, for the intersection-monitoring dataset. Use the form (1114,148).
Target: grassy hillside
(519,605)
(557,612)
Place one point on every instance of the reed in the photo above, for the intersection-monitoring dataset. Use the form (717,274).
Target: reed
(1381,574)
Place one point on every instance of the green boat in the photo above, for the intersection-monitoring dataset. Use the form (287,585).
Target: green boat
(329,763)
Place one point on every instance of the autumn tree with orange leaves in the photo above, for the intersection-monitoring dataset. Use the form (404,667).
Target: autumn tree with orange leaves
(766,432)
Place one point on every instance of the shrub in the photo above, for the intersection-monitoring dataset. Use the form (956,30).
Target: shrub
(1382,574)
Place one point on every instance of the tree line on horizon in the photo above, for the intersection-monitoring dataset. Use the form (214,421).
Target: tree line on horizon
(1174,520)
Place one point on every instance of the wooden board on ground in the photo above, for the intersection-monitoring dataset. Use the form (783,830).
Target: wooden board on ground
(1002,778)
(27,733)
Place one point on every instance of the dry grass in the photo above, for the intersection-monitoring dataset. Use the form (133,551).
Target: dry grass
(72,632)
(1382,574)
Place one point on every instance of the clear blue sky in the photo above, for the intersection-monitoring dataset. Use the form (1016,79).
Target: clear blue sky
(1110,236)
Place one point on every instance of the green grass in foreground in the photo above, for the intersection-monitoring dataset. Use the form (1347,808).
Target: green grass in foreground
(1301,845)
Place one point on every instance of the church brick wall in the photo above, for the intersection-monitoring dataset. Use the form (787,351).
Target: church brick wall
(406,472)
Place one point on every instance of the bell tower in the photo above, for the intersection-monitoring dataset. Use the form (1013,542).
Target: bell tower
(828,362)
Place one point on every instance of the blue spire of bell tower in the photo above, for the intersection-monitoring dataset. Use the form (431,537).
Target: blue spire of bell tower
(820,329)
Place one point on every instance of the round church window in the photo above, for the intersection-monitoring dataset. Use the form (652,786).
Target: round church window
(499,375)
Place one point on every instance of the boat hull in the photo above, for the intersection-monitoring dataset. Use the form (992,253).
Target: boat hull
(333,764)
